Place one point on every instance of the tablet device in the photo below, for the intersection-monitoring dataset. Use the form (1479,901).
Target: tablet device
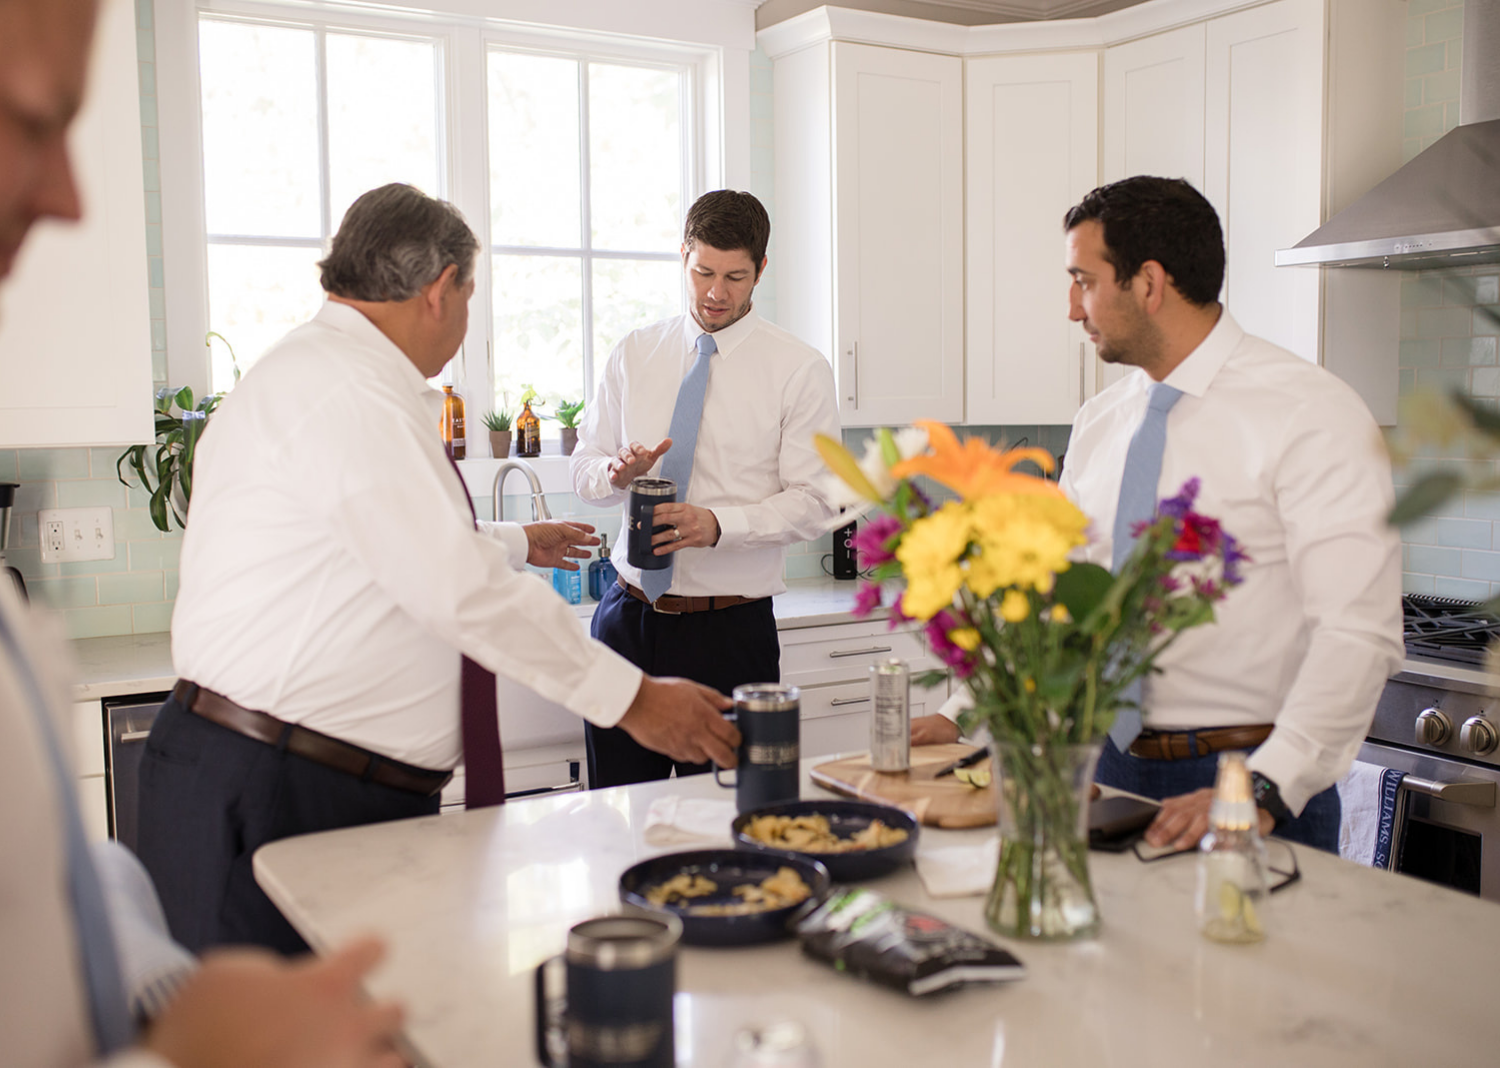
(1116,822)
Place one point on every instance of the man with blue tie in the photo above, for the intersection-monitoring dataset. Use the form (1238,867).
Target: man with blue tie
(1290,461)
(733,403)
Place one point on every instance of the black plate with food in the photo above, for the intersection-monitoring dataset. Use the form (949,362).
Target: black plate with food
(727,897)
(848,846)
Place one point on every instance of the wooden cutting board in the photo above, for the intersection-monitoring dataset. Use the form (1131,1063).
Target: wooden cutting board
(944,802)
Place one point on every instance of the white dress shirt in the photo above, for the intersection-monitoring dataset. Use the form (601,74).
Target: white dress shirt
(331,572)
(44,1011)
(1292,464)
(755,466)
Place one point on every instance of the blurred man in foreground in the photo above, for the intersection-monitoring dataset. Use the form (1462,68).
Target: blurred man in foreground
(72,928)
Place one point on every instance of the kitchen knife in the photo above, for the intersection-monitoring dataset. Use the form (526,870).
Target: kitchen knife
(973,758)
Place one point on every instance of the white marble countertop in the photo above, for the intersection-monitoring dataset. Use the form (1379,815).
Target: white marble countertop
(1362,967)
(142,663)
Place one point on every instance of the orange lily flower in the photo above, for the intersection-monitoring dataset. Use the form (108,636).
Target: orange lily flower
(974,469)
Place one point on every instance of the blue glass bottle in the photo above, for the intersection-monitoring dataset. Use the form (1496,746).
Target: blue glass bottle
(602,572)
(569,584)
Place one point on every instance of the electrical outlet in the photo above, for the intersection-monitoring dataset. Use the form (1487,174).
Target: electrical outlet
(73,534)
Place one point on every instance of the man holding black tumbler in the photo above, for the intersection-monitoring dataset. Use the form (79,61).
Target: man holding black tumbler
(733,403)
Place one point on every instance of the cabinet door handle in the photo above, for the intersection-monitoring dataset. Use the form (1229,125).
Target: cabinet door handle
(135,736)
(1080,374)
(853,354)
(859,652)
(839,702)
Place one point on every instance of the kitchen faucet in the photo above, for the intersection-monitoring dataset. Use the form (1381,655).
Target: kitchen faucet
(538,498)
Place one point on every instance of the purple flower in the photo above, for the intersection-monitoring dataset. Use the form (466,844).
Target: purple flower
(866,599)
(959,660)
(1178,506)
(1233,557)
(1197,536)
(897,616)
(873,540)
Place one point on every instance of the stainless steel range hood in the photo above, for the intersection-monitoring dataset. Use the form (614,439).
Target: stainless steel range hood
(1442,209)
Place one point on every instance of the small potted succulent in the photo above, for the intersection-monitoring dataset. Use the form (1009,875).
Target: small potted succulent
(498,424)
(567,415)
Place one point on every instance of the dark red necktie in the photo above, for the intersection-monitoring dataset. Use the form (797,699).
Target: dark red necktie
(484,762)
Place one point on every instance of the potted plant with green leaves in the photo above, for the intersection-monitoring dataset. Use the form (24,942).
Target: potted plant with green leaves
(168,474)
(498,424)
(567,415)
(165,468)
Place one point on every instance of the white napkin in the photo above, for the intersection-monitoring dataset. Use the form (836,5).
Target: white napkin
(675,820)
(959,871)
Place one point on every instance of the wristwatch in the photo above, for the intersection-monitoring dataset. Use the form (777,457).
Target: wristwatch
(1268,797)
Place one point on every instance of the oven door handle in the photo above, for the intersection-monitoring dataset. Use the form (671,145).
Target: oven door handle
(1478,794)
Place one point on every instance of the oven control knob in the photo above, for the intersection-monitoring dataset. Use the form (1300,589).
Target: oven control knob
(1478,736)
(1433,727)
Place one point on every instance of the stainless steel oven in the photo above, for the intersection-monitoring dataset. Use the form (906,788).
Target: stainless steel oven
(1439,723)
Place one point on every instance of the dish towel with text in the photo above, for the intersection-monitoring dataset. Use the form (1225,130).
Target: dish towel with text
(1369,795)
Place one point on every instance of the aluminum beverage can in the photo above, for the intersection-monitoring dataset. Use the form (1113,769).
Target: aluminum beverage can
(890,717)
(778,1045)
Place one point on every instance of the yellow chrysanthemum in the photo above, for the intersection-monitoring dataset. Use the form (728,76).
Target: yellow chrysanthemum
(930,553)
(966,638)
(1022,541)
(1014,606)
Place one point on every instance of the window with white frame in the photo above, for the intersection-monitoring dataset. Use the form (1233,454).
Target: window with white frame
(583,168)
(588,177)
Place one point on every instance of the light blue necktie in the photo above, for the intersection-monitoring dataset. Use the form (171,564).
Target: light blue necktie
(1138,505)
(108,1009)
(678,463)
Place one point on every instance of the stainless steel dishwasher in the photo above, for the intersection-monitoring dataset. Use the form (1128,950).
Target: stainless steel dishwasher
(128,721)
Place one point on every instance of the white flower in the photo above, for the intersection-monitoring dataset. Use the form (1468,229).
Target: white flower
(910,441)
(873,465)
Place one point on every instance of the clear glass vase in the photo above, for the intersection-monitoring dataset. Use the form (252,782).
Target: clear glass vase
(1042,888)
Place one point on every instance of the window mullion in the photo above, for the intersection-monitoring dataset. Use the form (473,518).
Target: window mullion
(586,238)
(325,179)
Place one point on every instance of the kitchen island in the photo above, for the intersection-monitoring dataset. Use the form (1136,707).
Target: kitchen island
(1362,967)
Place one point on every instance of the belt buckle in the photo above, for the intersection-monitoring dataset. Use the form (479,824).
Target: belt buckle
(656,607)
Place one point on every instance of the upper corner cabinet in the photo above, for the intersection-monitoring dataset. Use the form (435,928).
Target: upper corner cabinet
(869,228)
(1033,126)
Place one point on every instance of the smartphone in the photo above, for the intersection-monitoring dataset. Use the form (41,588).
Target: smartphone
(1116,822)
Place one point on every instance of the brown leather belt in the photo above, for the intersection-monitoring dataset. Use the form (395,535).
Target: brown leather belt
(309,744)
(676,606)
(1182,745)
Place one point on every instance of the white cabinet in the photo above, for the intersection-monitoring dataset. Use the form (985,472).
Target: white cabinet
(831,666)
(1153,120)
(1032,127)
(78,293)
(1263,162)
(86,725)
(869,233)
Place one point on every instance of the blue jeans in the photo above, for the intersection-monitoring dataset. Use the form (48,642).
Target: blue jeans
(1318,826)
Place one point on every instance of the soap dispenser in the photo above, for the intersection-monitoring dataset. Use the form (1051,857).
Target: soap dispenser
(602,572)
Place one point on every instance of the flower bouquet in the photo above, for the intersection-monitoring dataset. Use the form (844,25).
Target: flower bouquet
(1049,648)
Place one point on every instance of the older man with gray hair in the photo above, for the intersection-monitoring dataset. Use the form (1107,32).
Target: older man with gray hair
(332,574)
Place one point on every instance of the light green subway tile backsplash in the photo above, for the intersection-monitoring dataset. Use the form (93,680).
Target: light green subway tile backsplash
(132,587)
(80,592)
(118,564)
(99,622)
(155,555)
(151,618)
(90,493)
(38,465)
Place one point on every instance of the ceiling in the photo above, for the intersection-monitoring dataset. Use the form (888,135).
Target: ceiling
(961,12)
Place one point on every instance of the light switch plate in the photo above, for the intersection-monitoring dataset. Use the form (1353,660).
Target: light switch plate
(73,534)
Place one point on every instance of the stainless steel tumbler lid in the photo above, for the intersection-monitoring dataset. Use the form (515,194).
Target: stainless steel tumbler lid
(766,697)
(622,943)
(653,487)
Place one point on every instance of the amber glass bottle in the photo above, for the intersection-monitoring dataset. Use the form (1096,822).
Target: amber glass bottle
(528,432)
(453,423)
